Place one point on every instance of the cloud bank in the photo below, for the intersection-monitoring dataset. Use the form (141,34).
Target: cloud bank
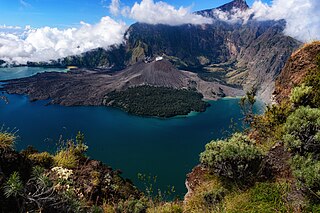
(48,43)
(302,17)
(150,12)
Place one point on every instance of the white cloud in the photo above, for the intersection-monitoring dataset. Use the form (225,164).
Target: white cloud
(302,16)
(51,43)
(150,12)
(114,7)
(235,15)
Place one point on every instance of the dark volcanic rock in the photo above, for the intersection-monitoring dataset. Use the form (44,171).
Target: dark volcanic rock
(86,87)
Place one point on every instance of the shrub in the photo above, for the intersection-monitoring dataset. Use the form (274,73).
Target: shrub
(14,186)
(7,139)
(302,95)
(71,152)
(43,159)
(66,159)
(268,128)
(236,159)
(302,131)
(307,171)
(214,197)
(132,206)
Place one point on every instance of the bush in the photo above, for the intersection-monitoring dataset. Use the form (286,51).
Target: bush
(43,159)
(214,197)
(236,159)
(268,128)
(71,152)
(132,206)
(307,171)
(302,131)
(66,159)
(14,186)
(7,139)
(302,95)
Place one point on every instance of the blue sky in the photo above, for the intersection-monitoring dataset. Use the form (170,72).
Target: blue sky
(69,13)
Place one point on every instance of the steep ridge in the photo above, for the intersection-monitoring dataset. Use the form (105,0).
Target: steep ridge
(294,71)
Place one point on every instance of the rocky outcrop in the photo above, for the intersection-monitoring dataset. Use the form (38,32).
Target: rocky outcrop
(294,71)
(194,179)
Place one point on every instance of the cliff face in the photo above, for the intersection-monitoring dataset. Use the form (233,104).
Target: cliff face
(294,71)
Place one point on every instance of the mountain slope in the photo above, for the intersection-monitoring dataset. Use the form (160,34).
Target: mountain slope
(255,50)
(300,63)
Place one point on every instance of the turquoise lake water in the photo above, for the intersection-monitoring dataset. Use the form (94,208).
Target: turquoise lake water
(166,148)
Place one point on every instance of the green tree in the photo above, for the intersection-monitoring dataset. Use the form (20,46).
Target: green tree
(246,104)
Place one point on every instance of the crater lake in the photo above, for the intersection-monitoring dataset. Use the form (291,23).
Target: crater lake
(166,148)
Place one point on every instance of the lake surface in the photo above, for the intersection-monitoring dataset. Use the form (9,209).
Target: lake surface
(20,72)
(166,148)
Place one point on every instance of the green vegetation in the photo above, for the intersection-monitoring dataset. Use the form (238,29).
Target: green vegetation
(157,101)
(307,172)
(43,159)
(301,95)
(302,131)
(236,159)
(13,186)
(71,152)
(7,139)
(263,197)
